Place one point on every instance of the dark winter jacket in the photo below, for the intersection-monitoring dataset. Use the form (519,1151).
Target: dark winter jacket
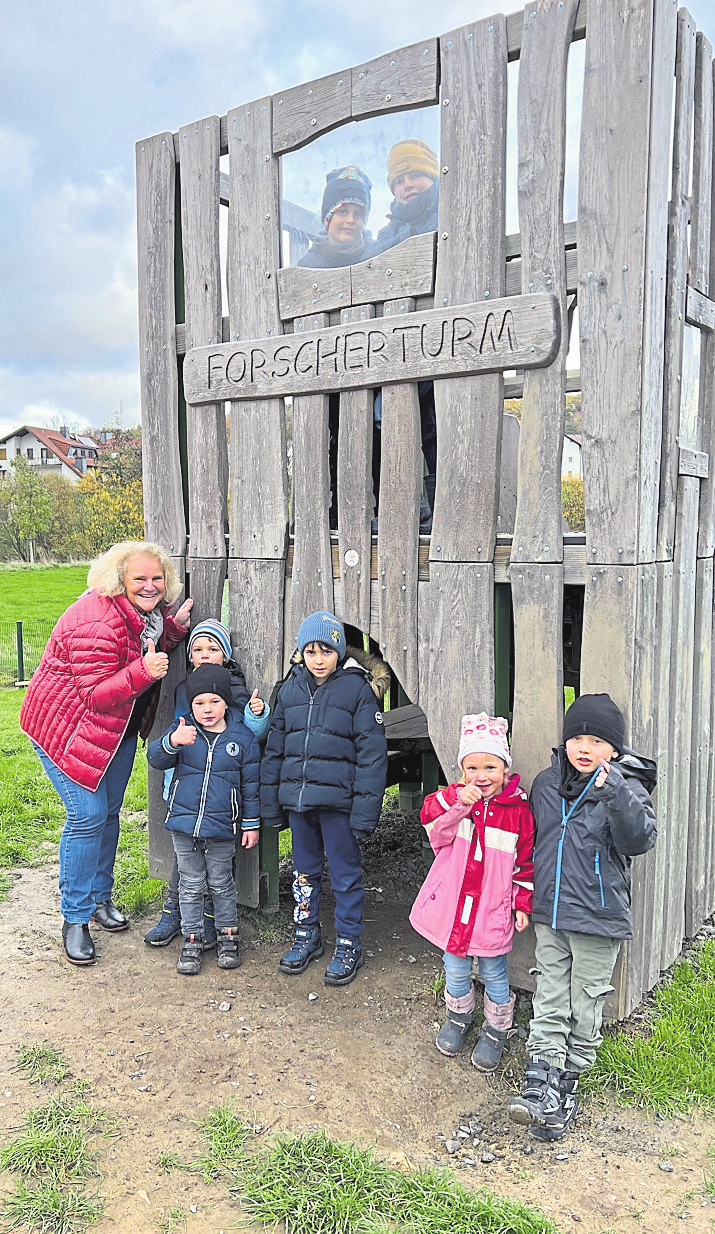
(216,784)
(326,747)
(323,255)
(411,218)
(582,870)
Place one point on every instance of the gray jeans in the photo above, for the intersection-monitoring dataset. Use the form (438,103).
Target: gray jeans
(573,977)
(201,863)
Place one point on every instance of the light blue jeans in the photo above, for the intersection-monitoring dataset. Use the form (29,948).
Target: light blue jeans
(492,970)
(88,845)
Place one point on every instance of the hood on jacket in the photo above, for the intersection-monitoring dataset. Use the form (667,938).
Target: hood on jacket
(642,768)
(373,667)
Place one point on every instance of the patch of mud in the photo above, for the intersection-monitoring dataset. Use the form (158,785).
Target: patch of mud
(359,1062)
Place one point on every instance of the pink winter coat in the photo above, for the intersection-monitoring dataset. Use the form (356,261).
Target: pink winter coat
(79,701)
(482,873)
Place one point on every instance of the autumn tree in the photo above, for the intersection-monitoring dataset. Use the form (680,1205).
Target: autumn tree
(572,502)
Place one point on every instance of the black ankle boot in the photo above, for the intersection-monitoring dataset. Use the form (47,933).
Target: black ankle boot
(77,939)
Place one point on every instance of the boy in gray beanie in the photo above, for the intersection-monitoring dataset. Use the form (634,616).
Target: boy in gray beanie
(593,813)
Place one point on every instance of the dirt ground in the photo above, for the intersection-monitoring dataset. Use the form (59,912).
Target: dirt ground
(358,1062)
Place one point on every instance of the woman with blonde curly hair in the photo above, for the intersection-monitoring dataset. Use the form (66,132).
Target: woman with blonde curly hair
(95,690)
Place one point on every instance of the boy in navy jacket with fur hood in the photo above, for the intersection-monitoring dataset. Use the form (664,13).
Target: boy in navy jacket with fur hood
(325,764)
(215,791)
(593,813)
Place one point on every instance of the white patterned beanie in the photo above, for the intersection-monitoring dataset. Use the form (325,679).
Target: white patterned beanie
(483,734)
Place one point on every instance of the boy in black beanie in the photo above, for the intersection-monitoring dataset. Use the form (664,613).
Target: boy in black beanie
(593,813)
(214,793)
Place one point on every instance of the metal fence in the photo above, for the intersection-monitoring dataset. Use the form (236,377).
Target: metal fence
(21,646)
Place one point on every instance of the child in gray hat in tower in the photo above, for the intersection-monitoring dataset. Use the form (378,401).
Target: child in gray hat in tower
(593,813)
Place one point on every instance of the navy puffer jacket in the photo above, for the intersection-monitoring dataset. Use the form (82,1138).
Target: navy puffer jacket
(582,871)
(326,748)
(406,219)
(216,784)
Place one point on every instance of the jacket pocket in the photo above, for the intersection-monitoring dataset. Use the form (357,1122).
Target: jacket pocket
(427,894)
(74,733)
(235,806)
(172,795)
(599,878)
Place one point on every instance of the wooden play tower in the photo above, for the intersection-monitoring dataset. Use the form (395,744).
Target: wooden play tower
(463,306)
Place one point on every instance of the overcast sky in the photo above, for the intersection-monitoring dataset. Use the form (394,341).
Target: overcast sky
(80,84)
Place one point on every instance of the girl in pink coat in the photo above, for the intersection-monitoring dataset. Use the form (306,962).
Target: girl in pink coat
(480,886)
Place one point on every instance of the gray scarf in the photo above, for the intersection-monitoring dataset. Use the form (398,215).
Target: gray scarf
(153,628)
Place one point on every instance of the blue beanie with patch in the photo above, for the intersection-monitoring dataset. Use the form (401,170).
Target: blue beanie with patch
(322,627)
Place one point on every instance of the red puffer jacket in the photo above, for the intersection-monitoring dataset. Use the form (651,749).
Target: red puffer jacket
(79,701)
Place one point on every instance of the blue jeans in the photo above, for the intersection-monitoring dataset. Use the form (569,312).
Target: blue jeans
(205,863)
(88,845)
(319,832)
(492,970)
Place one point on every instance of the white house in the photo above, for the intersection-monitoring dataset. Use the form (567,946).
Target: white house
(54,453)
(571,457)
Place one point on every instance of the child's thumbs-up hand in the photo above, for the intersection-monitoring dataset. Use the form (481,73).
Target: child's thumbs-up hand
(469,794)
(184,735)
(256,704)
(156,662)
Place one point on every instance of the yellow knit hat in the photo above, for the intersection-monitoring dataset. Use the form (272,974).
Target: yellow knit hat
(411,155)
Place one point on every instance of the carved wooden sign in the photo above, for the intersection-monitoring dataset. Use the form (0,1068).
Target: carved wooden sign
(516,332)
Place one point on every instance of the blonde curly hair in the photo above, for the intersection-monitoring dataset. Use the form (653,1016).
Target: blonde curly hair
(107,573)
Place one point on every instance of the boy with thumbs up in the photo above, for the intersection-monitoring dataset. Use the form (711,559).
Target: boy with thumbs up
(214,793)
(209,643)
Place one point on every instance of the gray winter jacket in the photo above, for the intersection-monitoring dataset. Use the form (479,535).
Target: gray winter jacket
(582,859)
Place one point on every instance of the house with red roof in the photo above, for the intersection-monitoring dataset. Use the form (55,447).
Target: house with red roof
(54,452)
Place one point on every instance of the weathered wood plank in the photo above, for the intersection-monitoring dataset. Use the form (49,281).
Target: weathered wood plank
(406,270)
(656,863)
(460,640)
(613,200)
(302,290)
(406,78)
(472,338)
(355,496)
(693,463)
(470,267)
(259,489)
(681,713)
(405,723)
(305,111)
(156,207)
(537,599)
(206,447)
(257,586)
(659,170)
(312,569)
(398,527)
(706,517)
(699,311)
(678,219)
(514,34)
(508,475)
(161,850)
(206,579)
(700,220)
(697,892)
(542,143)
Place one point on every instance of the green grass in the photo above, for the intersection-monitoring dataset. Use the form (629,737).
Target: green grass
(672,1068)
(437,986)
(224,1132)
(42,1064)
(321,1186)
(174,1221)
(50,1209)
(39,593)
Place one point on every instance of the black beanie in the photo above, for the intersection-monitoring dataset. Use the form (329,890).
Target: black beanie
(596,714)
(209,679)
(345,184)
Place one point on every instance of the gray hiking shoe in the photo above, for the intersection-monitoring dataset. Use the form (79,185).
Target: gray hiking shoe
(540,1097)
(450,1038)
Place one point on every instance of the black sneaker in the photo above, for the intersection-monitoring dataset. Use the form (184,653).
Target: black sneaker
(540,1097)
(307,946)
(228,954)
(347,959)
(189,964)
(558,1122)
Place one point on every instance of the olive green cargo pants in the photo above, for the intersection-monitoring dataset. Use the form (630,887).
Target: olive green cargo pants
(573,977)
